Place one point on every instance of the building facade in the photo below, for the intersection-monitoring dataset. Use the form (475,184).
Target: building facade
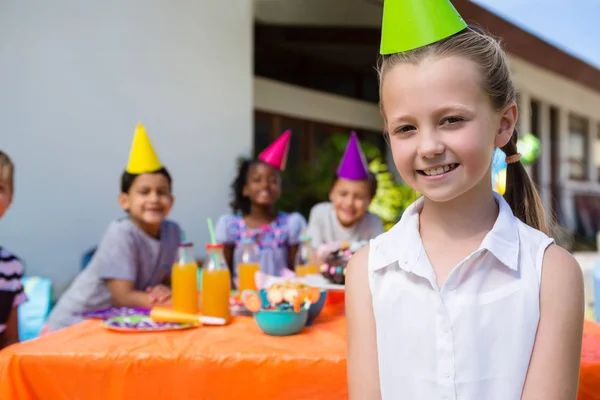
(77,77)
(212,82)
(319,58)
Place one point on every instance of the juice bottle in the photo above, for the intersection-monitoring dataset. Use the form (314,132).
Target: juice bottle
(304,259)
(248,265)
(184,280)
(216,284)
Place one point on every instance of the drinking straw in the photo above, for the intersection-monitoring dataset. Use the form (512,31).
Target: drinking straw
(211,231)
(213,240)
(183,237)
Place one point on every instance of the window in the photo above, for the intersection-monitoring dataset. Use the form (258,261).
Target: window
(344,68)
(535,130)
(578,147)
(307,136)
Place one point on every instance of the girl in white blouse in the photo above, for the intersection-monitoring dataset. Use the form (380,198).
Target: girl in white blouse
(466,297)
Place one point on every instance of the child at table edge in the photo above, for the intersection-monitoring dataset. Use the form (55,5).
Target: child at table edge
(346,217)
(11,268)
(255,190)
(131,266)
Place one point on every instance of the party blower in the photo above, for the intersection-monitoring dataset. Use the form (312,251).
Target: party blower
(163,314)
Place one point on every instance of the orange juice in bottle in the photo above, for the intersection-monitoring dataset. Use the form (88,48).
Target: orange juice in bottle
(216,284)
(248,265)
(304,259)
(184,280)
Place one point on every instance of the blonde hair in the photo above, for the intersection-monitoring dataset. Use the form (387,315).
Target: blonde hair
(7,170)
(496,82)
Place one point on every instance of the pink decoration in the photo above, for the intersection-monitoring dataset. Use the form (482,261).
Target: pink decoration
(276,154)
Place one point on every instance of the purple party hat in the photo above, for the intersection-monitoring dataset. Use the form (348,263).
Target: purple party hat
(353,165)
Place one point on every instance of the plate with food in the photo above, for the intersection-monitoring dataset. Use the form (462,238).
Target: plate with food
(143,323)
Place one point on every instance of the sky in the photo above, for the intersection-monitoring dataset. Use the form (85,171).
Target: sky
(571,25)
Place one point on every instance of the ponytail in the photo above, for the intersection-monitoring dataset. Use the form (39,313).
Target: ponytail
(521,193)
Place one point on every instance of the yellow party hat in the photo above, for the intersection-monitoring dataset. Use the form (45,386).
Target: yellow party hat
(142,157)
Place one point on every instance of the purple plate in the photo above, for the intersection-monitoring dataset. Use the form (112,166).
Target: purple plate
(137,323)
(112,312)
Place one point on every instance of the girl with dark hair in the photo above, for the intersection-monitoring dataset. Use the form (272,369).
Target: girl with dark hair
(255,191)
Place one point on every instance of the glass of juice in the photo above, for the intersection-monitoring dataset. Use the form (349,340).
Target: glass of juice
(304,259)
(216,284)
(184,280)
(248,265)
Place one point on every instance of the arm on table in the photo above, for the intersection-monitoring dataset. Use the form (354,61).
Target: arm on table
(11,333)
(123,294)
(553,372)
(363,368)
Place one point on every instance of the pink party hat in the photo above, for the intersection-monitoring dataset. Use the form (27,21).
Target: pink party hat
(276,154)
(353,165)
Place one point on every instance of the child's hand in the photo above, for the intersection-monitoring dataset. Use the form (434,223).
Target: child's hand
(158,294)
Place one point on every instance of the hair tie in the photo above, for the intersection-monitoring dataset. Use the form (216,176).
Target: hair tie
(513,159)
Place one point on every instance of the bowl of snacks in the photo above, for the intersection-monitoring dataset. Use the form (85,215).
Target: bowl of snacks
(283,308)
(315,308)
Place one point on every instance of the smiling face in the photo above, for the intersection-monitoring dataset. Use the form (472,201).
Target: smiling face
(350,200)
(148,201)
(443,129)
(263,185)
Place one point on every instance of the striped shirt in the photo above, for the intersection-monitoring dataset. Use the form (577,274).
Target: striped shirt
(11,290)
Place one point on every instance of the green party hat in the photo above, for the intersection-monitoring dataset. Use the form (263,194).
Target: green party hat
(410,24)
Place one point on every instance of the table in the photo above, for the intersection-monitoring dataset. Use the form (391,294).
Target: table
(589,379)
(87,361)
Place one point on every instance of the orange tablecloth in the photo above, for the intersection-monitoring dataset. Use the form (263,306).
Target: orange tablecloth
(589,379)
(87,361)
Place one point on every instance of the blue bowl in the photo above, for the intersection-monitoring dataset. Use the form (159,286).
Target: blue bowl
(316,308)
(262,293)
(281,322)
(313,312)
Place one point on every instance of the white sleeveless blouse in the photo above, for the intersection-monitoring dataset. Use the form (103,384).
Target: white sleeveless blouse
(472,338)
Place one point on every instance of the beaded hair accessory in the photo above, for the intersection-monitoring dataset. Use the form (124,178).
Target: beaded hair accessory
(513,159)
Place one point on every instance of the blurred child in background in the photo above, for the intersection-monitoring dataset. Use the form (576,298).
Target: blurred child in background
(11,269)
(345,218)
(132,264)
(255,191)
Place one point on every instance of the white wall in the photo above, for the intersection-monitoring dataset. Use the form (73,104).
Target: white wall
(76,77)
